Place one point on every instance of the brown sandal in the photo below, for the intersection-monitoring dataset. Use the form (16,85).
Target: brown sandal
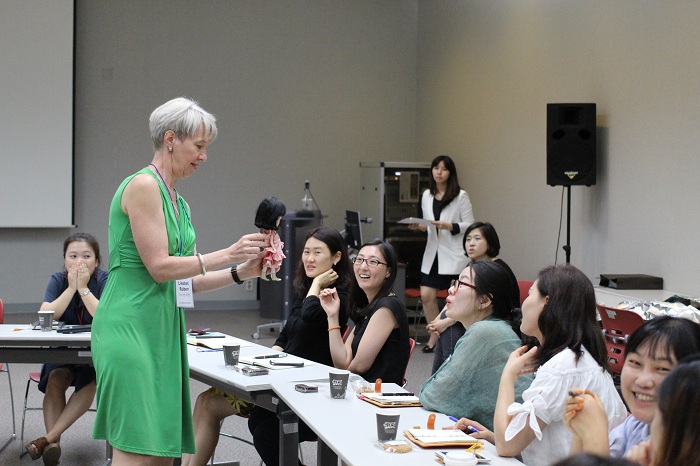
(39,445)
(52,454)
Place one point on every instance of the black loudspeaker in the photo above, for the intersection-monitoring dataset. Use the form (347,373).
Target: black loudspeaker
(571,144)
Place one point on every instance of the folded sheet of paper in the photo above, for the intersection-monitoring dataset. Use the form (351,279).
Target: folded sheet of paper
(215,340)
(420,221)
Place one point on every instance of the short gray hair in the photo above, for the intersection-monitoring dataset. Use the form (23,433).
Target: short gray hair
(183,116)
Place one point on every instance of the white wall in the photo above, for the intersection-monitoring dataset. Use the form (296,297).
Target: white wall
(487,69)
(302,90)
(308,89)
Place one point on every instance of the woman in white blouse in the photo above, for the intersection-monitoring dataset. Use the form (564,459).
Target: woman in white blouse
(450,210)
(560,311)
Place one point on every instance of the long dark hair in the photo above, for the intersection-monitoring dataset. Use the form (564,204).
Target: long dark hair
(452,189)
(489,233)
(359,306)
(492,280)
(568,319)
(679,403)
(334,240)
(86,237)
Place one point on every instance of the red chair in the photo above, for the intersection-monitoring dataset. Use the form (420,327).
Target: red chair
(618,325)
(5,369)
(524,286)
(417,314)
(412,346)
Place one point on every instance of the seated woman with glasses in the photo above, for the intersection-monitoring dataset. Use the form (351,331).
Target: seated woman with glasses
(466,385)
(378,346)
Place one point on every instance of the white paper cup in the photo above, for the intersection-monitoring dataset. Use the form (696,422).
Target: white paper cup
(387,425)
(231,354)
(46,320)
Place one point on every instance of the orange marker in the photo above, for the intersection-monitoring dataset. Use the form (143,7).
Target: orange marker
(378,386)
(431,421)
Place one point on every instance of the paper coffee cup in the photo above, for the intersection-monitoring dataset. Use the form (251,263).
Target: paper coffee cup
(338,383)
(46,320)
(387,425)
(231,354)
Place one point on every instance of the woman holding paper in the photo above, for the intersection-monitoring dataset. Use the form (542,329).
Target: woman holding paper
(449,209)
(324,262)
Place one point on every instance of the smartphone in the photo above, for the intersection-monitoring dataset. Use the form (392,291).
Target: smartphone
(251,370)
(440,456)
(305,388)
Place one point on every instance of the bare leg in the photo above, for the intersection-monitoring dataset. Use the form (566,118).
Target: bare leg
(77,405)
(55,397)
(123,458)
(209,410)
(430,306)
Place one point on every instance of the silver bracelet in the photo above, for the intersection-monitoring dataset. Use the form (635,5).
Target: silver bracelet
(201,262)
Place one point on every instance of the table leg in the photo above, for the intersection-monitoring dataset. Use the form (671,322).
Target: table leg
(289,435)
(325,456)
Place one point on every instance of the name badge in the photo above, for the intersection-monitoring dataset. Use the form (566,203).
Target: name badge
(183,293)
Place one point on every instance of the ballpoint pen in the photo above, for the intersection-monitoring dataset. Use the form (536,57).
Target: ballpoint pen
(398,394)
(272,356)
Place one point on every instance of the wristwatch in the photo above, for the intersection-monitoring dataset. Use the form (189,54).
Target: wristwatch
(85,293)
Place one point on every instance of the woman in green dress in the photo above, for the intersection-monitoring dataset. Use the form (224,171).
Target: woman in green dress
(139,334)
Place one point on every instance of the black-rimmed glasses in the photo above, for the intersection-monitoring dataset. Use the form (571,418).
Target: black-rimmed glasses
(457,283)
(370,262)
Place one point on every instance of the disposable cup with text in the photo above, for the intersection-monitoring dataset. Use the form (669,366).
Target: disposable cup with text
(45,320)
(231,354)
(339,383)
(387,425)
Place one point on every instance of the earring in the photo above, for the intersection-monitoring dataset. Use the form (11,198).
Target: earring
(170,149)
(335,263)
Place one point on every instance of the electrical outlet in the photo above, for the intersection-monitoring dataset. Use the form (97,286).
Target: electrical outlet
(249,285)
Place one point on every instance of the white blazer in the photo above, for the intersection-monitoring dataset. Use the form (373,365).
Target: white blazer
(448,247)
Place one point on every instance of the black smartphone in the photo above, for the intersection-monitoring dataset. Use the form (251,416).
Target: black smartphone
(305,388)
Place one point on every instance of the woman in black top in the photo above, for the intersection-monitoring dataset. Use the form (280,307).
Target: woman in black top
(324,263)
(379,345)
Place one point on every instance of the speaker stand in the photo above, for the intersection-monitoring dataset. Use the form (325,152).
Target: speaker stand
(567,246)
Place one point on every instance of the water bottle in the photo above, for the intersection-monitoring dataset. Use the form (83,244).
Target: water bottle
(307,201)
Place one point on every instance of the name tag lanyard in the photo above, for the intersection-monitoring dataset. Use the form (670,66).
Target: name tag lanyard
(184,297)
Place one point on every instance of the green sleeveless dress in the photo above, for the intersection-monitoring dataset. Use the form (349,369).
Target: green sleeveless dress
(139,343)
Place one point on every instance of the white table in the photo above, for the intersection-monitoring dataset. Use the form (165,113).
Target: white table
(208,367)
(22,344)
(347,428)
(19,343)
